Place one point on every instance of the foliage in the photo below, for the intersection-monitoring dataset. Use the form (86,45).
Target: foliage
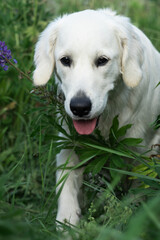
(28,142)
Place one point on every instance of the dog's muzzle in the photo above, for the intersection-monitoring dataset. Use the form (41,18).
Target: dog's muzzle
(81,107)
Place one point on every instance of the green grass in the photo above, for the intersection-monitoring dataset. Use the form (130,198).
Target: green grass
(28,145)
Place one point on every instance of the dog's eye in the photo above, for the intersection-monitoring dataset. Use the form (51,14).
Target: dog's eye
(66,61)
(101,61)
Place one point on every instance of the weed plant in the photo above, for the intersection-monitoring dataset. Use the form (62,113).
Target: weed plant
(112,208)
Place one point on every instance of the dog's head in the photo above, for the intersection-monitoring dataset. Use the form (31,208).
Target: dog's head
(89,51)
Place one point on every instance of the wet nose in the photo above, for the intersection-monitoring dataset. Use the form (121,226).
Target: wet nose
(80,106)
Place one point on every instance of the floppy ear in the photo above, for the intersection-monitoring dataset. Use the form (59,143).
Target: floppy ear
(44,55)
(131,54)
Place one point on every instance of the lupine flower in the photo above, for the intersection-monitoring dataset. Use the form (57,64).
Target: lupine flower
(5,54)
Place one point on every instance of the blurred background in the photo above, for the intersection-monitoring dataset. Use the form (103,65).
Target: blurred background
(27,156)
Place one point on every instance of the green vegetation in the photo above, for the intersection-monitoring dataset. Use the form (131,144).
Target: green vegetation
(28,134)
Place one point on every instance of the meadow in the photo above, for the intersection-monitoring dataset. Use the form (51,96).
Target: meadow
(29,133)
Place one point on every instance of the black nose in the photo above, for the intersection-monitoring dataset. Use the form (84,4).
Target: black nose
(80,106)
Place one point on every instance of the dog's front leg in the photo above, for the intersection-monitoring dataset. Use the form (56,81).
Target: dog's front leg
(68,204)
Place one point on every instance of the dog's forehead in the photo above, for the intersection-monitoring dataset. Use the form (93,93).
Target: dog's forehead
(86,28)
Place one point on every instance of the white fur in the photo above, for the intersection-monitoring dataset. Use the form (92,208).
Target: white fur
(125,86)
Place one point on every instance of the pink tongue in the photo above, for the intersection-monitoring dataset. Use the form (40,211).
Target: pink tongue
(85,127)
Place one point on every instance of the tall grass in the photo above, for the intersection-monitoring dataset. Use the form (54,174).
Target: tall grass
(28,134)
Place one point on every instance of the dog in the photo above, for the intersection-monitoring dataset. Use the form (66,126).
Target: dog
(105,66)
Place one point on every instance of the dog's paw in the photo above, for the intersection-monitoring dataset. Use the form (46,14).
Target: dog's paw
(68,217)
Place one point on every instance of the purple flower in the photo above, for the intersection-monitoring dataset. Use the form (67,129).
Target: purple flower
(5,54)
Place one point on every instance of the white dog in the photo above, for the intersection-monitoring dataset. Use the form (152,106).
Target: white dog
(105,67)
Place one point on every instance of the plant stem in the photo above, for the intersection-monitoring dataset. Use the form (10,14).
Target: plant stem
(22,73)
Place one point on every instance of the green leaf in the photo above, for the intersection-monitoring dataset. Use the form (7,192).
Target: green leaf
(116,133)
(100,164)
(87,154)
(59,127)
(115,124)
(151,183)
(137,175)
(113,131)
(5,154)
(97,164)
(131,141)
(157,169)
(122,131)
(117,161)
(57,138)
(156,123)
(109,150)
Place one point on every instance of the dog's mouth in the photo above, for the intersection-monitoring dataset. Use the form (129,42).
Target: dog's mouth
(85,127)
